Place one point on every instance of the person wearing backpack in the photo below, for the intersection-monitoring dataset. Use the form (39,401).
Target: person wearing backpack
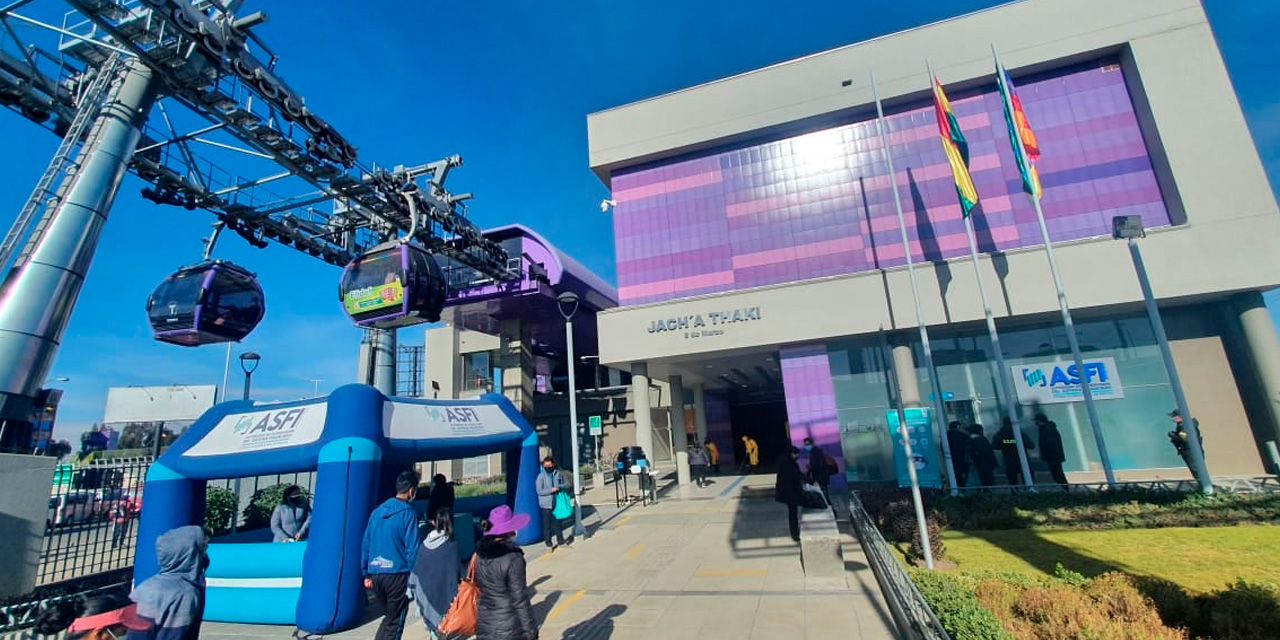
(436,572)
(549,486)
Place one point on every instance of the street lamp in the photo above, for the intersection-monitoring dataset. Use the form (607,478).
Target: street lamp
(1130,228)
(249,363)
(568,305)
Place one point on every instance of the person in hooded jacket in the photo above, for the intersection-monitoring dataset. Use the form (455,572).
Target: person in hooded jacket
(789,488)
(504,612)
(1052,452)
(387,554)
(436,572)
(172,601)
(291,519)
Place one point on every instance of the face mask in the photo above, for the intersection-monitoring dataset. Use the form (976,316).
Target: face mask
(808,447)
(548,469)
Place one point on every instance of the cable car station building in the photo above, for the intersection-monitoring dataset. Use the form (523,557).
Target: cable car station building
(761,275)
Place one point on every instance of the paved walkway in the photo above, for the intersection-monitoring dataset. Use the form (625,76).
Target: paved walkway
(702,563)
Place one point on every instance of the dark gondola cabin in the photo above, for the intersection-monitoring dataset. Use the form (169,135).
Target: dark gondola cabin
(206,303)
(393,285)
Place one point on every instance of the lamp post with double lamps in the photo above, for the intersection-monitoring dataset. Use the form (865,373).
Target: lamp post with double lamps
(249,363)
(568,305)
(1130,228)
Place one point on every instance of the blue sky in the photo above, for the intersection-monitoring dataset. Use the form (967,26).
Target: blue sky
(505,84)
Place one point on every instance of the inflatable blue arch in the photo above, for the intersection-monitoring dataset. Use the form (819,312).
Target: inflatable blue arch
(356,440)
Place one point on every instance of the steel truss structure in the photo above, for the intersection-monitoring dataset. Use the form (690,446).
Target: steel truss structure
(212,67)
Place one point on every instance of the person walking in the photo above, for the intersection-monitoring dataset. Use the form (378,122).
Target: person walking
(751,457)
(981,456)
(172,601)
(1182,441)
(436,572)
(121,522)
(789,488)
(713,454)
(821,467)
(503,612)
(387,554)
(958,441)
(1007,442)
(1052,453)
(442,496)
(698,463)
(549,484)
(291,519)
(109,617)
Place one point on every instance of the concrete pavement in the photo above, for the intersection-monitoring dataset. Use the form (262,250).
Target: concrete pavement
(701,564)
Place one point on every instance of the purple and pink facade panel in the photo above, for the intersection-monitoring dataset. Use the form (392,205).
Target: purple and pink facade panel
(820,204)
(811,402)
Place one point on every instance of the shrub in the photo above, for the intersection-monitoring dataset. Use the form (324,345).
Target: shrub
(1243,611)
(898,522)
(258,514)
(219,507)
(1176,607)
(957,608)
(489,488)
(1108,606)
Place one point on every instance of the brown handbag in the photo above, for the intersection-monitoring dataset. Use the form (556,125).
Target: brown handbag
(461,617)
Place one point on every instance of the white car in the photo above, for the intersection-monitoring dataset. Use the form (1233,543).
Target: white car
(73,508)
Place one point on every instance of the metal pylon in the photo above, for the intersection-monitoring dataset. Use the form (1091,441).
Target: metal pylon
(64,162)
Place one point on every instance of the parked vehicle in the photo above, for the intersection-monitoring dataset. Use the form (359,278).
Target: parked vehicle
(77,507)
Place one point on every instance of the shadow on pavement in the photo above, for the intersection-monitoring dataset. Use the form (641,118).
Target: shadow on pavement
(597,627)
(542,609)
(760,526)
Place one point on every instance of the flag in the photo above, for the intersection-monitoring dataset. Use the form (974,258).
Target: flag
(1020,129)
(957,149)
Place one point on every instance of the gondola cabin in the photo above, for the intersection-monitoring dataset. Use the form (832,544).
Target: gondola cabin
(206,303)
(393,285)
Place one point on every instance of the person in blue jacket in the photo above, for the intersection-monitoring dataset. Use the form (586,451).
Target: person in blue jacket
(173,599)
(390,546)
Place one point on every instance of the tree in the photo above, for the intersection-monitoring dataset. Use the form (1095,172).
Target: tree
(59,449)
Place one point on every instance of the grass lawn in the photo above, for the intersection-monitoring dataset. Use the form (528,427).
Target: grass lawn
(1198,559)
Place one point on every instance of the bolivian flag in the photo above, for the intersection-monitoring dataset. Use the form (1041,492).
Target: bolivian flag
(1020,129)
(957,149)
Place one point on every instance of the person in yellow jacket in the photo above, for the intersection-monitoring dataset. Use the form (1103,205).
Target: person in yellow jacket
(713,452)
(752,458)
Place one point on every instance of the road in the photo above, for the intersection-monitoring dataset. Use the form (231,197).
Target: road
(83,549)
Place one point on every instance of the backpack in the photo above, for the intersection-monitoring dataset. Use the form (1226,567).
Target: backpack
(460,619)
(833,467)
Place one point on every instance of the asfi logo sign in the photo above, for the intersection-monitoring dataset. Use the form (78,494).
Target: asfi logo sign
(412,421)
(271,429)
(1058,382)
(461,420)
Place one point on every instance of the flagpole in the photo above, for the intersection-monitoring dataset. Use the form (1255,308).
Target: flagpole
(1005,384)
(940,415)
(922,524)
(1072,339)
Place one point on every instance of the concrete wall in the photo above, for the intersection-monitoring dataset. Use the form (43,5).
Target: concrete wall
(24,507)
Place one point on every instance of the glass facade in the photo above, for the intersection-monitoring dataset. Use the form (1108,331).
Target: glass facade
(1134,426)
(820,204)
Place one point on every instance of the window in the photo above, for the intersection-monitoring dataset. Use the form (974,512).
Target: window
(476,467)
(477,370)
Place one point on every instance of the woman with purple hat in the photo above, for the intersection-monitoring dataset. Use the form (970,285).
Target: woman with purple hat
(504,612)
